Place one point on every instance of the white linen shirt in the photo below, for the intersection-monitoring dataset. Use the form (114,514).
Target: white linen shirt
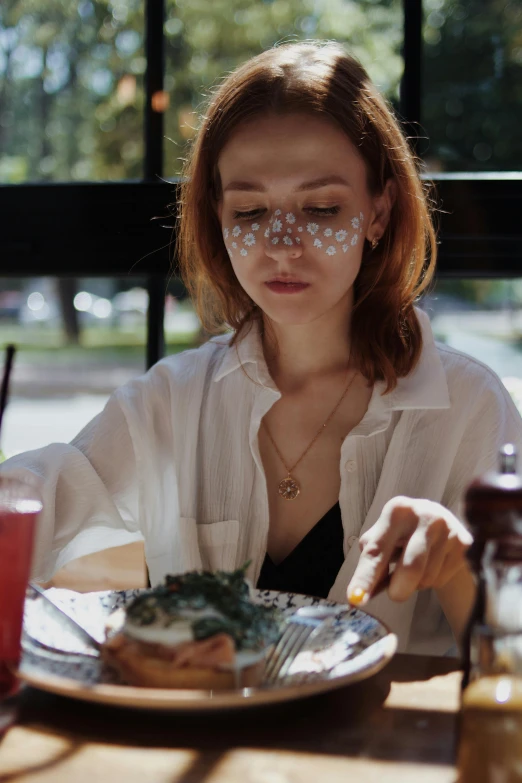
(173,459)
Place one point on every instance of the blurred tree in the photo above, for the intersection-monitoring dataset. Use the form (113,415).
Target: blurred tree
(207,40)
(472,85)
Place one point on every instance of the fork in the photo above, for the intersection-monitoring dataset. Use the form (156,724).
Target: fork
(302,626)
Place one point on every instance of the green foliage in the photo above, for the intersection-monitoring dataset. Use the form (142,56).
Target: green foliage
(71,72)
(472,87)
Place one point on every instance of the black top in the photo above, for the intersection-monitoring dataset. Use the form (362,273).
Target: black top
(312,566)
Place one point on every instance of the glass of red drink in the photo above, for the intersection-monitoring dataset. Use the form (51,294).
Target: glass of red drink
(19,508)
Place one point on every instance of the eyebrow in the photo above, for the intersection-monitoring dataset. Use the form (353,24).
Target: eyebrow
(314,184)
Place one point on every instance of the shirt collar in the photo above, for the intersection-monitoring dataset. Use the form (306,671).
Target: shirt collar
(424,387)
(247,350)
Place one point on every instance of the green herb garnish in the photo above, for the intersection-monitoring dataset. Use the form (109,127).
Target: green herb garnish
(226,592)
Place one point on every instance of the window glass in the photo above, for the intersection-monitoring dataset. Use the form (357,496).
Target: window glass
(77,340)
(483,318)
(71,90)
(471,87)
(205,40)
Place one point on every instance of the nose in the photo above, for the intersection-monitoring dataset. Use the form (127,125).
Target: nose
(281,240)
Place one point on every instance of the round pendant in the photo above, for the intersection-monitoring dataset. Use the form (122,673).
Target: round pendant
(289,488)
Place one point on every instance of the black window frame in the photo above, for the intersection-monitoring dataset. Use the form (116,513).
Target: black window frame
(127,228)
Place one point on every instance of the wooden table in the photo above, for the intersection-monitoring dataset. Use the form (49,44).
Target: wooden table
(396,727)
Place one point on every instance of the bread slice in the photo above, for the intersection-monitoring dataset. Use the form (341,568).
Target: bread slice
(155,666)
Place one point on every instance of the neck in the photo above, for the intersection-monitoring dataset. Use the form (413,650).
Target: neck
(298,354)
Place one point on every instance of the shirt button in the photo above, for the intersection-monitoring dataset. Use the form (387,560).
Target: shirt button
(350,465)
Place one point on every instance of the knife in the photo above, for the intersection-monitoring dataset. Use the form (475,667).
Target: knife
(65,619)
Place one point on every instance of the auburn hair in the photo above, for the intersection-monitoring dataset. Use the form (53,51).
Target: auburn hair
(323,80)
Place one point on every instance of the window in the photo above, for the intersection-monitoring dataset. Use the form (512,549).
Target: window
(71,91)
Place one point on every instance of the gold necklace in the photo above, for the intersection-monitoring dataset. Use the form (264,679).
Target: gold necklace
(289,488)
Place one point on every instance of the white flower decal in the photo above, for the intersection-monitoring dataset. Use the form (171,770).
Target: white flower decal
(225,233)
(299,228)
(277,212)
(317,242)
(249,239)
(287,241)
(328,232)
(236,231)
(288,230)
(275,240)
(331,251)
(298,241)
(255,226)
(267,232)
(290,217)
(312,228)
(355,239)
(355,222)
(243,252)
(277,226)
(234,245)
(345,248)
(340,235)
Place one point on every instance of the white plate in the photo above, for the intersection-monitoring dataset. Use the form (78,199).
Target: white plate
(355,647)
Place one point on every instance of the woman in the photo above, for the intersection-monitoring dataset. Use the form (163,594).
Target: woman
(328,417)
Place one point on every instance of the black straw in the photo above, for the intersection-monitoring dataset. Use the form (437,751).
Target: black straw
(9,356)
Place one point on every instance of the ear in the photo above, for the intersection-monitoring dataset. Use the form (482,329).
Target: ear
(382,207)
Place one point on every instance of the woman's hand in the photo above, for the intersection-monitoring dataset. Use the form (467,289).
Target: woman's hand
(425,540)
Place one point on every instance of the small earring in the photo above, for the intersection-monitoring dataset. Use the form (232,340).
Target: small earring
(374,243)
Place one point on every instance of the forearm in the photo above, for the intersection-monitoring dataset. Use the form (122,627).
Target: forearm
(457,598)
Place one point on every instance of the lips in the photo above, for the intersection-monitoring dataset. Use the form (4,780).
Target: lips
(286,286)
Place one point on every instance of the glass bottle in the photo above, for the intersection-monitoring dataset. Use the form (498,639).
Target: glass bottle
(490,746)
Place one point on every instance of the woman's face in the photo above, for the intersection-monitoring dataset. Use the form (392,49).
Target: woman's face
(295,211)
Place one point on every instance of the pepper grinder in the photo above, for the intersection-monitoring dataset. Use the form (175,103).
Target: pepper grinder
(490,742)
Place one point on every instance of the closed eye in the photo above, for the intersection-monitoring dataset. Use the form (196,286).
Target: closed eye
(252,213)
(323,210)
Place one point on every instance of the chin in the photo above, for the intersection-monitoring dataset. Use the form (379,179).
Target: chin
(291,316)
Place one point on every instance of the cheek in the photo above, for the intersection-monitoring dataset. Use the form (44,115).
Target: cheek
(320,238)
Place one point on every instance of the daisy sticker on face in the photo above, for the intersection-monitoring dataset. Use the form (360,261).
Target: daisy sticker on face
(226,233)
(355,239)
(243,252)
(287,240)
(331,251)
(290,217)
(255,226)
(317,242)
(312,228)
(277,226)
(249,239)
(340,235)
(236,231)
(328,232)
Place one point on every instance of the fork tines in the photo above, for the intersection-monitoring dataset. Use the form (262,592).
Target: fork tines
(292,641)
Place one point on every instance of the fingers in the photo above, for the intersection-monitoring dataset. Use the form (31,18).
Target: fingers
(432,543)
(378,547)
(430,559)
